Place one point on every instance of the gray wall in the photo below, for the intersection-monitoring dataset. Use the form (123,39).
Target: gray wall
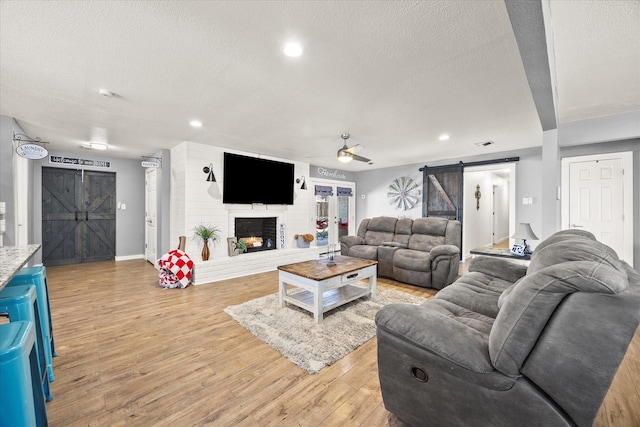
(129,190)
(543,214)
(373,183)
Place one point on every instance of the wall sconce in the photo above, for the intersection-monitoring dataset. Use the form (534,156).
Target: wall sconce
(304,183)
(213,190)
(209,169)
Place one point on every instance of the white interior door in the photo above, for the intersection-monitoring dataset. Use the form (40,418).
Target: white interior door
(150,234)
(21,202)
(599,199)
(334,208)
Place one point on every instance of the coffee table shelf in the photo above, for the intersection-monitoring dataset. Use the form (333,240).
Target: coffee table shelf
(330,299)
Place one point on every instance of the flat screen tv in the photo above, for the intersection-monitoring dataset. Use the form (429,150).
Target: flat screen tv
(250,180)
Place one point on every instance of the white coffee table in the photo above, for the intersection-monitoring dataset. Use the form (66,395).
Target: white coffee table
(326,287)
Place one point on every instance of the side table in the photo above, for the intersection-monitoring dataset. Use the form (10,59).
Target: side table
(499,252)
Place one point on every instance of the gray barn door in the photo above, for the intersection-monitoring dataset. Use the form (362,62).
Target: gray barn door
(443,191)
(78,216)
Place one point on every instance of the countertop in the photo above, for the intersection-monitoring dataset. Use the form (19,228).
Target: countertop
(12,259)
(498,252)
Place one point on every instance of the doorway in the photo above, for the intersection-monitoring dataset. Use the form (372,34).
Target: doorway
(151,216)
(597,196)
(78,216)
(489,194)
(334,211)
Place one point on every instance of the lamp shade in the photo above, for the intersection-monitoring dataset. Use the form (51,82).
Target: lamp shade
(525,232)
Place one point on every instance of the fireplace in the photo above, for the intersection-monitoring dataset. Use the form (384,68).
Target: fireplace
(258,232)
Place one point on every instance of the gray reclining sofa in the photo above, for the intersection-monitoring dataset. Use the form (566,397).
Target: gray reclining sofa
(423,252)
(508,345)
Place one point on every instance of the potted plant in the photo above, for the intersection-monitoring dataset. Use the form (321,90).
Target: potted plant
(304,240)
(241,246)
(206,233)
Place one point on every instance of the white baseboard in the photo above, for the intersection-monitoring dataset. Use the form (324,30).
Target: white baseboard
(129,257)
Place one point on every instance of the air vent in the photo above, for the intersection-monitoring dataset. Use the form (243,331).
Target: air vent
(484,144)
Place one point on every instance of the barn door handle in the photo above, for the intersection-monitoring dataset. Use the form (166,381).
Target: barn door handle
(86,216)
(76,215)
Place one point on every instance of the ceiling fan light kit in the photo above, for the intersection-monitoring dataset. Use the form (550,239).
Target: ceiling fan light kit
(346,154)
(344,157)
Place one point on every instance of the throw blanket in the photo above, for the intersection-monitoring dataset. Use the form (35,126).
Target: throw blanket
(175,269)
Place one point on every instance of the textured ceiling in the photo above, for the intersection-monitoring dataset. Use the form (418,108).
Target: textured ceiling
(597,55)
(395,75)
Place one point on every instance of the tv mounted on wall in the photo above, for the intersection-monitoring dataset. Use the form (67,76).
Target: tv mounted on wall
(250,180)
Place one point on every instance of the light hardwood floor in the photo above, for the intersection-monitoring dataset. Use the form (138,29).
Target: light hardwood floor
(133,354)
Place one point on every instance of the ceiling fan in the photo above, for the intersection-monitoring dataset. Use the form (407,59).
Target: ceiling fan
(346,154)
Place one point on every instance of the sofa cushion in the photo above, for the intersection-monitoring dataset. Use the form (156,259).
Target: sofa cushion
(570,234)
(412,260)
(424,242)
(527,308)
(383,223)
(379,230)
(475,291)
(502,268)
(428,233)
(364,251)
(412,323)
(470,318)
(403,231)
(575,249)
(362,228)
(430,225)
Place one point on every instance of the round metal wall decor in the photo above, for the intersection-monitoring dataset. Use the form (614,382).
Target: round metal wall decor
(403,193)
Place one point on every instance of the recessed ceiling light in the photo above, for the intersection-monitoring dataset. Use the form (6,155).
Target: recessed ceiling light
(443,137)
(196,123)
(292,49)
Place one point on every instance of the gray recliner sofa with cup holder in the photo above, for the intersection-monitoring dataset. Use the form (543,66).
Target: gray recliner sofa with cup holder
(508,344)
(423,251)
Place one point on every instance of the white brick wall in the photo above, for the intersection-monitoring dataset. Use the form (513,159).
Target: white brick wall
(192,204)
(222,268)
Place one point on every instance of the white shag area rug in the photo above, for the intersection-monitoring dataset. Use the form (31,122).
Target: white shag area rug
(293,332)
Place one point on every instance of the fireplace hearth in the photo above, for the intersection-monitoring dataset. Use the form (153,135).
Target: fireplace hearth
(258,232)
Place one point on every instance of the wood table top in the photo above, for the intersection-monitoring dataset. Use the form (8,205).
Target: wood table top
(318,269)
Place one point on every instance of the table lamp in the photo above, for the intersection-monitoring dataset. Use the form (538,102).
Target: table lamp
(525,232)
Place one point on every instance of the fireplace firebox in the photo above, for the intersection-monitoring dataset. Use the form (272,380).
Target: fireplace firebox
(258,233)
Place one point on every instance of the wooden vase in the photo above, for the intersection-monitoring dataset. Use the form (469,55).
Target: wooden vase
(205,251)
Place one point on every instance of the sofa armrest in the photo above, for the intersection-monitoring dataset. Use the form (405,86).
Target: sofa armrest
(445,254)
(447,343)
(446,250)
(349,241)
(501,268)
